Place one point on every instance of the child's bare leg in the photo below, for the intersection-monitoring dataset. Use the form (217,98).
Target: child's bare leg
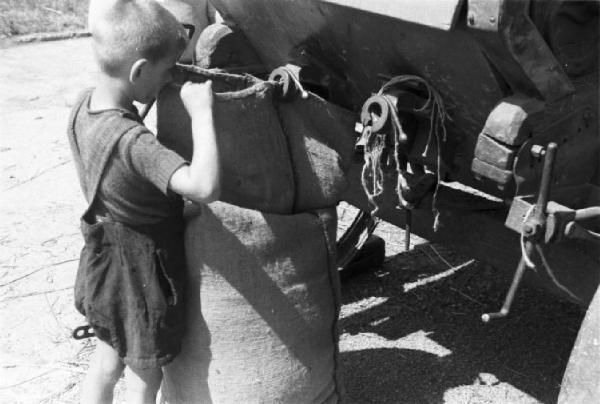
(105,369)
(142,385)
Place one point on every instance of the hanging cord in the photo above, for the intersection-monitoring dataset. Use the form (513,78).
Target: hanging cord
(550,273)
(372,177)
(401,166)
(372,172)
(524,254)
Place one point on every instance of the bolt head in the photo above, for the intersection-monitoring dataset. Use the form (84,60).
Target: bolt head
(537,151)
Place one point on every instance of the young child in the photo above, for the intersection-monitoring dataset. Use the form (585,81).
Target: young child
(129,284)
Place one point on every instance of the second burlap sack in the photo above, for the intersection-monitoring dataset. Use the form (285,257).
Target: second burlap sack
(263,301)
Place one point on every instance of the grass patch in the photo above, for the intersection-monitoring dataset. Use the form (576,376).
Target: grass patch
(20,17)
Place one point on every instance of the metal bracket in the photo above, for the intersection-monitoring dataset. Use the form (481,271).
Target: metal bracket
(484,14)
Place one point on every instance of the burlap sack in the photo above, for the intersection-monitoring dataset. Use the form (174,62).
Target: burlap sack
(321,140)
(256,168)
(263,302)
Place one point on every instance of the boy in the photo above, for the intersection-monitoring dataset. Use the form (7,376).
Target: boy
(128,284)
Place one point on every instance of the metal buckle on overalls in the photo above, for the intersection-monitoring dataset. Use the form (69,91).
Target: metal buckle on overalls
(83,332)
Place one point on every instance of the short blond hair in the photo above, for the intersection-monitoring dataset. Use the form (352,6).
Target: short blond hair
(126,29)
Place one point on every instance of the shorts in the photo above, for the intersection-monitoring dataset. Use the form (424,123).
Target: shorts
(129,287)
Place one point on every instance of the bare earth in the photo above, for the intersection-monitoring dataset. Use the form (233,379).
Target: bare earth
(410,331)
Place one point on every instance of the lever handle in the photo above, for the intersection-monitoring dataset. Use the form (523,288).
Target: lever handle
(537,223)
(546,181)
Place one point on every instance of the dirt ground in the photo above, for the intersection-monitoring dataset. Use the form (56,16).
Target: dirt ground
(410,331)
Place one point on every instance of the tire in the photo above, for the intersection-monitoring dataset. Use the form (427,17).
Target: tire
(580,382)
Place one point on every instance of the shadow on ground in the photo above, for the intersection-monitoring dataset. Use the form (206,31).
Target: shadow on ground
(427,342)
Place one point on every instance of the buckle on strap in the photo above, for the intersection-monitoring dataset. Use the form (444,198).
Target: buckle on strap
(83,332)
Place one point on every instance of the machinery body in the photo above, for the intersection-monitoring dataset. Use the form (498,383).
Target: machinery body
(512,74)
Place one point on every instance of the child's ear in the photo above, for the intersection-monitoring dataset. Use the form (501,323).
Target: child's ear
(137,69)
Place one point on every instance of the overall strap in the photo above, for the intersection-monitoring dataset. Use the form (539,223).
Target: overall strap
(81,100)
(91,157)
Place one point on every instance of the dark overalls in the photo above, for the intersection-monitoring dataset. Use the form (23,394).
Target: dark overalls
(129,280)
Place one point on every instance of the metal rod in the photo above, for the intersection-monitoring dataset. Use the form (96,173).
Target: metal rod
(587,213)
(510,295)
(544,193)
(539,217)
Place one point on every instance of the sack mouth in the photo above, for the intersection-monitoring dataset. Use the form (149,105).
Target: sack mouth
(226,86)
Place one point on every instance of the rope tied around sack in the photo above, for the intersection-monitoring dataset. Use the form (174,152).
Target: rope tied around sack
(372,173)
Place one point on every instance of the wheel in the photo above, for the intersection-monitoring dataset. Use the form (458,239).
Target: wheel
(580,381)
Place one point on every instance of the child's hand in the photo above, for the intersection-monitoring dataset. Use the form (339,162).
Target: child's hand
(197,97)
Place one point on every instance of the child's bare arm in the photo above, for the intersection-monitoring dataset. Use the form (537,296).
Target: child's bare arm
(200,181)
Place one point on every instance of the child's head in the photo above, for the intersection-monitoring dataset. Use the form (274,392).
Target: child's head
(137,42)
